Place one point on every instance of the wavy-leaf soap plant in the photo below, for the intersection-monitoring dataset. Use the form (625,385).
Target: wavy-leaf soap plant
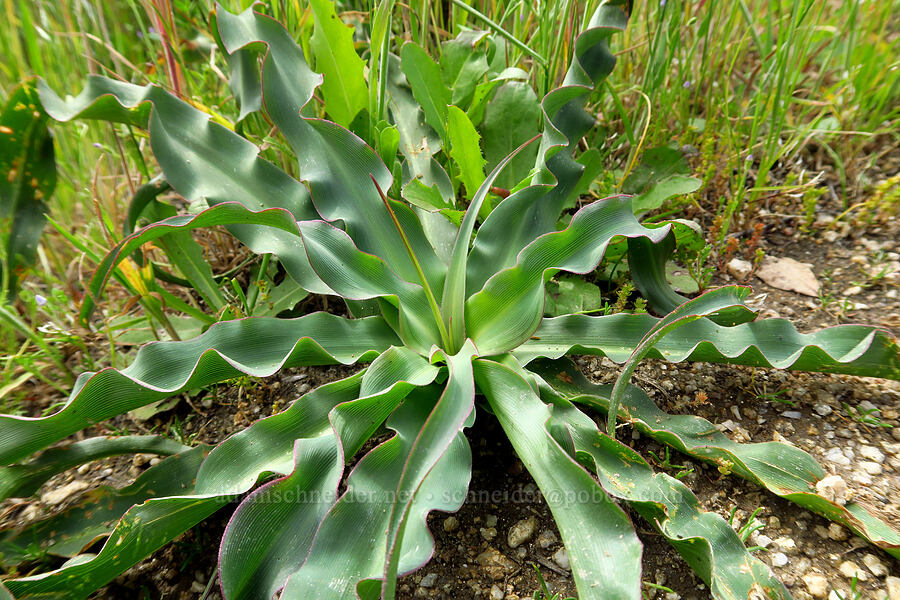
(450,322)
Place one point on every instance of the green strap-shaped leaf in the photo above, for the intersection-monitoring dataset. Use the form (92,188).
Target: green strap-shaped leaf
(29,178)
(509,308)
(600,540)
(848,349)
(704,539)
(255,346)
(344,87)
(534,210)
(336,164)
(144,528)
(337,562)
(510,118)
(199,155)
(453,301)
(320,256)
(785,470)
(271,532)
(729,299)
(95,514)
(647,263)
(25,479)
(232,469)
(452,410)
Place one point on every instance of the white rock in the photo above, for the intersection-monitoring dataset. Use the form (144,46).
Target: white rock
(786,545)
(739,269)
(60,494)
(792,414)
(872,468)
(816,584)
(850,569)
(834,489)
(763,540)
(837,457)
(779,559)
(823,410)
(852,291)
(521,532)
(789,275)
(836,532)
(496,592)
(546,539)
(893,587)
(872,453)
(561,558)
(875,565)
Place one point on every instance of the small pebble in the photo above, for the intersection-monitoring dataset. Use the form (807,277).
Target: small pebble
(429,580)
(496,592)
(872,468)
(872,453)
(561,558)
(834,489)
(836,532)
(875,565)
(823,410)
(816,584)
(488,533)
(779,559)
(521,532)
(490,521)
(451,524)
(197,587)
(546,539)
(893,587)
(792,414)
(850,569)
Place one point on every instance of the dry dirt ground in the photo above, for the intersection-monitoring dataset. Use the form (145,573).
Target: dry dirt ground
(859,275)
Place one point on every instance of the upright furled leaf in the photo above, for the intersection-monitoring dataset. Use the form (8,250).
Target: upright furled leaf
(535,210)
(337,166)
(27,180)
(465,149)
(463,64)
(344,87)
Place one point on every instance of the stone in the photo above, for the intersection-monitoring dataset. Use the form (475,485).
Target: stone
(893,587)
(488,533)
(789,275)
(561,558)
(872,468)
(779,559)
(429,580)
(63,493)
(850,569)
(496,592)
(837,457)
(853,290)
(837,532)
(872,453)
(739,269)
(490,521)
(823,410)
(875,565)
(792,414)
(521,532)
(834,489)
(786,545)
(495,564)
(451,524)
(546,539)
(816,584)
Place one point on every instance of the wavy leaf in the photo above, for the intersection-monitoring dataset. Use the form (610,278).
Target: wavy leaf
(782,469)
(256,346)
(600,539)
(704,539)
(335,163)
(509,308)
(25,479)
(338,562)
(534,211)
(848,349)
(344,87)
